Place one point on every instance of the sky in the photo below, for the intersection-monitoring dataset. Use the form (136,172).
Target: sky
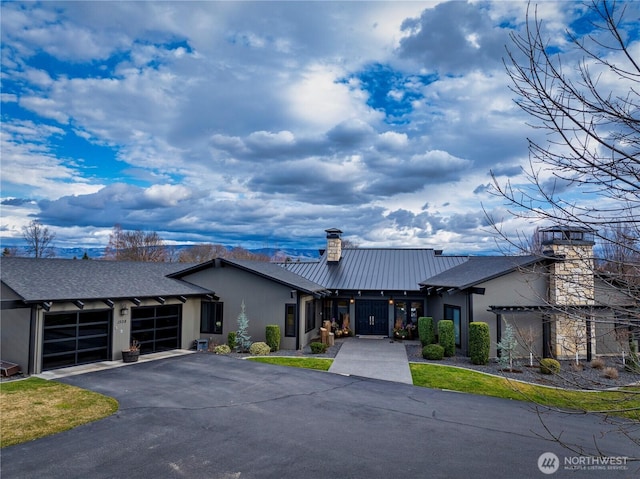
(261,124)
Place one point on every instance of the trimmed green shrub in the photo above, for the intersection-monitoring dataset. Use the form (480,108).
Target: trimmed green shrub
(222,349)
(433,352)
(259,349)
(231,340)
(318,348)
(479,342)
(447,337)
(549,366)
(272,335)
(425,330)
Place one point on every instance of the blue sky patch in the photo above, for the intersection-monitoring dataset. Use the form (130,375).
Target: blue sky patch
(392,91)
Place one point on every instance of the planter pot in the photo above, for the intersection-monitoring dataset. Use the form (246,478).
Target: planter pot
(130,356)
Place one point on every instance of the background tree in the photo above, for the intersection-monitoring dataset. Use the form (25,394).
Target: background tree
(38,238)
(585,99)
(9,251)
(135,246)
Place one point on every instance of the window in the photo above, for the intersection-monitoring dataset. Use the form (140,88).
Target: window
(310,316)
(211,317)
(453,313)
(290,320)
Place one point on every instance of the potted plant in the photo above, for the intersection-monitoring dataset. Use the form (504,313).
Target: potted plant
(132,354)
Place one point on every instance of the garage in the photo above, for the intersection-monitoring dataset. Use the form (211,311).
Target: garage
(156,328)
(78,337)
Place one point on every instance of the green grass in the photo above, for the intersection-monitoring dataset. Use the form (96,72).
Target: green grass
(34,408)
(320,364)
(624,403)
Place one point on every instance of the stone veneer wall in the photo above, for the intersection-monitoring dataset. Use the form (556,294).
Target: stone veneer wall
(571,284)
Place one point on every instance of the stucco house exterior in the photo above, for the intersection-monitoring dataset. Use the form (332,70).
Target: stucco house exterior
(58,313)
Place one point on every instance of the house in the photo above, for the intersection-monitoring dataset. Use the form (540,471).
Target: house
(59,313)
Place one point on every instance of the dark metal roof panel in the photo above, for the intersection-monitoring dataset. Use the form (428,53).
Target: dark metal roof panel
(39,279)
(479,269)
(376,269)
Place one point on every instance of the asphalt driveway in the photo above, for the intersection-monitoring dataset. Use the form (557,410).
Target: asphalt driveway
(207,416)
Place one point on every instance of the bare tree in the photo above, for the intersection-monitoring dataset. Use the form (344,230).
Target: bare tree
(38,238)
(585,172)
(135,246)
(200,253)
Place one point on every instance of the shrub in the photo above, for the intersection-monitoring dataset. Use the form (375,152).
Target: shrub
(577,367)
(598,363)
(447,337)
(610,373)
(425,331)
(549,366)
(433,351)
(222,349)
(231,340)
(272,335)
(318,348)
(479,342)
(259,349)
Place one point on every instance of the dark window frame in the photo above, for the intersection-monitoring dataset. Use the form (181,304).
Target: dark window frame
(288,332)
(448,314)
(310,316)
(211,320)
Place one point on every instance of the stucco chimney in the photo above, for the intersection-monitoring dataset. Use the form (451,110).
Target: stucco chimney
(334,245)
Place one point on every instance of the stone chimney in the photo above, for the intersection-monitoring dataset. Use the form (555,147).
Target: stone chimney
(571,288)
(334,245)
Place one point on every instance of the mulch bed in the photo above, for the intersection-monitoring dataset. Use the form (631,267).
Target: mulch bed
(586,378)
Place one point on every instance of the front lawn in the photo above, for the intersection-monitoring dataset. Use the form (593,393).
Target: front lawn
(308,363)
(624,403)
(34,408)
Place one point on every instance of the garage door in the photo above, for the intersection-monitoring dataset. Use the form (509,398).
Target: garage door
(156,328)
(76,338)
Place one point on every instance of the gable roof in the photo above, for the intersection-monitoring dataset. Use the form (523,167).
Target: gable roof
(271,271)
(478,269)
(40,279)
(382,269)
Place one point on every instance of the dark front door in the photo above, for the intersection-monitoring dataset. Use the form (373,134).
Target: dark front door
(372,317)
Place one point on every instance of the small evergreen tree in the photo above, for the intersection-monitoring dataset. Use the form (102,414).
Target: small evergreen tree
(479,342)
(272,334)
(243,340)
(447,337)
(507,347)
(425,331)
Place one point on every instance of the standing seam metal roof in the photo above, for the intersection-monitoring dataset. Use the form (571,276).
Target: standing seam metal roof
(376,269)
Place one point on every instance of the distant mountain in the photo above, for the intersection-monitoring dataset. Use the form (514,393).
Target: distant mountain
(98,253)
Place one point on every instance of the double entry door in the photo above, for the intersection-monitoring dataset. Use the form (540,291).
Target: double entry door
(372,317)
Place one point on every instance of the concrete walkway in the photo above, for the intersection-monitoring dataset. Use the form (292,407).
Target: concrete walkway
(373,358)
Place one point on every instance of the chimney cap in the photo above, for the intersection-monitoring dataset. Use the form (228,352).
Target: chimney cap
(333,233)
